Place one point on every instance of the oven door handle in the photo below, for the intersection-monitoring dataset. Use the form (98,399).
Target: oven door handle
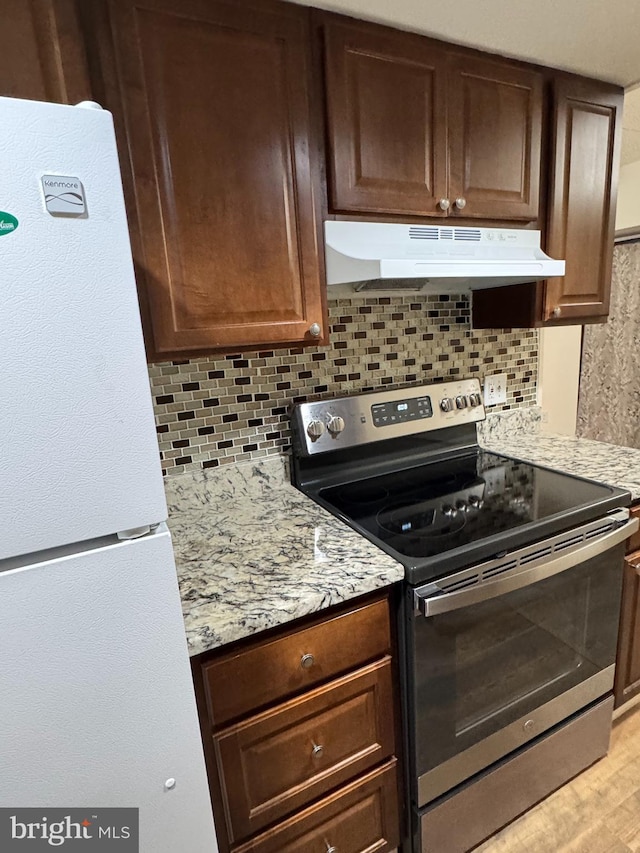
(434,605)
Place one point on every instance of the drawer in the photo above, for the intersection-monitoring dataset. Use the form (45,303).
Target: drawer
(360,818)
(279,761)
(268,672)
(633,542)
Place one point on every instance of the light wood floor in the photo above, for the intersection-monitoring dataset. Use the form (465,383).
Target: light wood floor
(598,812)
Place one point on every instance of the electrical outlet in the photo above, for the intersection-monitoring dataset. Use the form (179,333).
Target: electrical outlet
(495,389)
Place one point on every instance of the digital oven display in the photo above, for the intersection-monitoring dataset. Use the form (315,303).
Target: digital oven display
(402,411)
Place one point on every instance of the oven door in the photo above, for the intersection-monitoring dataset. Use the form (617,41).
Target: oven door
(502,652)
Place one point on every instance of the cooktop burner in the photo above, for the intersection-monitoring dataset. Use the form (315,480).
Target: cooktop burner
(429,495)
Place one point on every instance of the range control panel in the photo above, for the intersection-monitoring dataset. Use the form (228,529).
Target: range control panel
(361,418)
(401,411)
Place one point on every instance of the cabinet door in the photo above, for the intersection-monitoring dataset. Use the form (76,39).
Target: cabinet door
(216,113)
(495,136)
(627,682)
(41,52)
(387,120)
(587,130)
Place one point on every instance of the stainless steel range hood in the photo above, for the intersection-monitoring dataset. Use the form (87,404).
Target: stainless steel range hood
(379,258)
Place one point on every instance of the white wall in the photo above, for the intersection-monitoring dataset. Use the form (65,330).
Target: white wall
(628,210)
(559,378)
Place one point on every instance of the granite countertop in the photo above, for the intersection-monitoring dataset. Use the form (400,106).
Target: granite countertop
(253,552)
(595,460)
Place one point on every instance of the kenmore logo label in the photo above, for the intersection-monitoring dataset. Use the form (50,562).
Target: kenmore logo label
(64,196)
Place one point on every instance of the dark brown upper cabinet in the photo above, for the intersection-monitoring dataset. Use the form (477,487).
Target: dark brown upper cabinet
(419,129)
(385,109)
(587,129)
(41,52)
(495,135)
(213,99)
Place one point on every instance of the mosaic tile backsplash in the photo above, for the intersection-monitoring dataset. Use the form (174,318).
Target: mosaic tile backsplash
(216,410)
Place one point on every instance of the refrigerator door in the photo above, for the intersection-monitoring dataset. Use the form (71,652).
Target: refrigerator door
(79,456)
(97,693)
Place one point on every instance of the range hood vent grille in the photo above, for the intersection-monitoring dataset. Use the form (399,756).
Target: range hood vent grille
(419,232)
(430,232)
(469,234)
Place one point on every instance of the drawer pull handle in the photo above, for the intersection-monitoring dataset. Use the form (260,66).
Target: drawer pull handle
(307,661)
(317,751)
(331,848)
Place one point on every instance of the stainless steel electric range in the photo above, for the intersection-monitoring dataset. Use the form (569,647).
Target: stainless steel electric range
(509,615)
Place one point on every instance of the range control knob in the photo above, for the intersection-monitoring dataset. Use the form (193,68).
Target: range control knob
(462,506)
(335,424)
(315,429)
(474,400)
(475,501)
(449,510)
(461,402)
(446,404)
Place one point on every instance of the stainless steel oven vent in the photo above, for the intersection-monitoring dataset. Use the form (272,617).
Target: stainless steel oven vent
(597,531)
(470,580)
(516,561)
(535,555)
(569,543)
(500,569)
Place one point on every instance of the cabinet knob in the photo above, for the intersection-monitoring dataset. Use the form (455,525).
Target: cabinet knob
(444,204)
(317,750)
(315,329)
(331,848)
(307,661)
(557,311)
(461,203)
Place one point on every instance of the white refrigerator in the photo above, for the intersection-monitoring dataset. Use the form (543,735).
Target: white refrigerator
(96,698)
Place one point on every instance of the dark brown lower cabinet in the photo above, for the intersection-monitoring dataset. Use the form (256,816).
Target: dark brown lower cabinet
(313,769)
(628,662)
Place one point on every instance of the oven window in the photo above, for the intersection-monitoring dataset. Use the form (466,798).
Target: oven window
(483,667)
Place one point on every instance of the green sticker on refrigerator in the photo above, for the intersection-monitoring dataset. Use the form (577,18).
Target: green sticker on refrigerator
(8,223)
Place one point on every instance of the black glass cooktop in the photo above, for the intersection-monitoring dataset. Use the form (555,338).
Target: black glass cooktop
(439,517)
